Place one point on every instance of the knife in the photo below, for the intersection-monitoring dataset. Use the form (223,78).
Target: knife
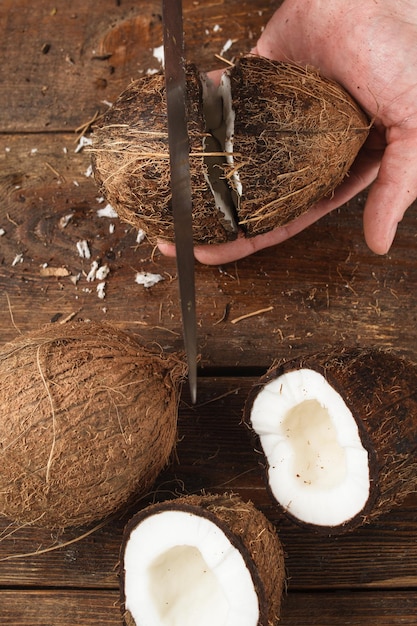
(179,147)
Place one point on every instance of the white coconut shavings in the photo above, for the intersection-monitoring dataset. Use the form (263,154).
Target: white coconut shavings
(83,249)
(18,259)
(229,43)
(89,171)
(140,237)
(2,232)
(93,271)
(65,219)
(102,272)
(217,28)
(147,279)
(101,290)
(82,143)
(97,272)
(111,228)
(107,211)
(158,53)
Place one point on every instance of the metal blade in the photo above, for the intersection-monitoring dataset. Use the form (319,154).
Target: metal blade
(176,90)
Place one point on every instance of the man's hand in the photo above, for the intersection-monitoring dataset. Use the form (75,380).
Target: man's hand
(370,48)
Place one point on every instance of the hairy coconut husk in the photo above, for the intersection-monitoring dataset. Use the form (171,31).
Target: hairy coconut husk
(89,419)
(380,389)
(290,140)
(131,160)
(296,135)
(246,528)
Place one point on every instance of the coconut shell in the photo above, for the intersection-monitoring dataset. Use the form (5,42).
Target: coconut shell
(247,529)
(380,389)
(296,135)
(89,419)
(131,160)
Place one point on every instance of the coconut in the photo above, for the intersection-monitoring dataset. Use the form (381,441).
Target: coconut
(89,419)
(130,160)
(338,435)
(269,142)
(200,561)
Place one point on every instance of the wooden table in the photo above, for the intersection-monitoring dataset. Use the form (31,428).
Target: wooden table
(61,64)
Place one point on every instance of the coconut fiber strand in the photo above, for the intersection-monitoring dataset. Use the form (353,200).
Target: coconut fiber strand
(89,419)
(248,531)
(294,139)
(380,389)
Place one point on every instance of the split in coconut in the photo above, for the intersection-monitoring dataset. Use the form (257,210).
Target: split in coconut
(89,419)
(199,561)
(271,141)
(338,432)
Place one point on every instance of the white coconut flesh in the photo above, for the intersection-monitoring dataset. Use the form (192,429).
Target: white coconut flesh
(219,120)
(182,570)
(318,468)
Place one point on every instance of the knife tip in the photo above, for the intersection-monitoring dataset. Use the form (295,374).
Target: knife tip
(193,391)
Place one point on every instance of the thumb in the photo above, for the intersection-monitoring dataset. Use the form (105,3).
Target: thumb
(393,191)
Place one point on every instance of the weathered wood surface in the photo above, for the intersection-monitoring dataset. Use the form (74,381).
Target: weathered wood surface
(89,608)
(62,62)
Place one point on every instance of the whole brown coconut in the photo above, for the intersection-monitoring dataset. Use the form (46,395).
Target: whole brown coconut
(272,140)
(200,561)
(338,434)
(89,419)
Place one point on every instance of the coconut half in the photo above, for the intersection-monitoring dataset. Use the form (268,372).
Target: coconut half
(269,142)
(88,421)
(338,435)
(199,561)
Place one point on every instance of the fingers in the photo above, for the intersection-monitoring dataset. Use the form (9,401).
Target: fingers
(167,249)
(361,175)
(394,190)
(242,247)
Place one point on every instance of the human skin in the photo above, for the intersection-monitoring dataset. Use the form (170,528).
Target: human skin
(370,48)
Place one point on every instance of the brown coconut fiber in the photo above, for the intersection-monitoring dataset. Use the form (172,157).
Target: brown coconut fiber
(247,529)
(131,160)
(296,136)
(89,419)
(380,389)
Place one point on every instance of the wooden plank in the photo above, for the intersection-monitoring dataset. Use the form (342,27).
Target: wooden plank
(324,286)
(88,608)
(350,609)
(214,453)
(60,608)
(62,60)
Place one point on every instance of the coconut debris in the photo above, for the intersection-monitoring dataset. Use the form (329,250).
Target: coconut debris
(147,279)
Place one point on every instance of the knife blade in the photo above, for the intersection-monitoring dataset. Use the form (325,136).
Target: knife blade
(179,147)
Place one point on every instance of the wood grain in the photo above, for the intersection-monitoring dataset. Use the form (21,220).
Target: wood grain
(66,608)
(63,63)
(214,453)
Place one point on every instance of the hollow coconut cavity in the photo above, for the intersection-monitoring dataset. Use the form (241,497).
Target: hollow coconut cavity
(269,142)
(89,419)
(199,561)
(338,432)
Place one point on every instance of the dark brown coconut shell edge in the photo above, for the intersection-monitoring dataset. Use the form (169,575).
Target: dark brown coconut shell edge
(387,429)
(219,509)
